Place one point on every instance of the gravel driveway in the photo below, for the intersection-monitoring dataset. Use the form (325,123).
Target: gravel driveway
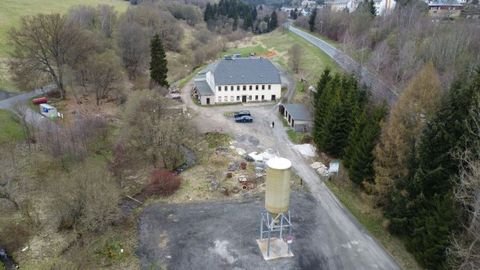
(342,239)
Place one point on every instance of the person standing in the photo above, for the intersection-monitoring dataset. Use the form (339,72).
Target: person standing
(273,124)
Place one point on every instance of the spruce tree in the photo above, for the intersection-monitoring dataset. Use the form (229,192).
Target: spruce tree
(324,108)
(273,22)
(311,20)
(158,62)
(319,104)
(429,214)
(402,132)
(359,153)
(208,14)
(371,8)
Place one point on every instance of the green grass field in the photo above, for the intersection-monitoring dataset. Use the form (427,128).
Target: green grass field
(11,12)
(10,128)
(275,45)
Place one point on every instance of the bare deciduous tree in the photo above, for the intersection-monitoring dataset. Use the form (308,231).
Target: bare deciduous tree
(466,244)
(104,74)
(134,47)
(107,17)
(45,45)
(295,54)
(86,199)
(156,130)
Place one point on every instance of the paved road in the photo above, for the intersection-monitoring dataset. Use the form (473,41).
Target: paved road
(344,241)
(380,89)
(9,103)
(31,116)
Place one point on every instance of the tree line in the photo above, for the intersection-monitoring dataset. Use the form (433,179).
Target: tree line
(395,46)
(419,162)
(346,123)
(242,15)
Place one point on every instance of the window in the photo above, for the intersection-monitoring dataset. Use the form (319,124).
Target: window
(232,99)
(231,88)
(263,97)
(219,99)
(226,88)
(238,87)
(250,87)
(263,86)
(244,87)
(219,88)
(238,98)
(269,87)
(256,97)
(225,98)
(249,97)
(256,87)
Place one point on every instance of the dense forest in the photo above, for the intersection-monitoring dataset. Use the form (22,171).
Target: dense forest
(239,14)
(420,163)
(420,160)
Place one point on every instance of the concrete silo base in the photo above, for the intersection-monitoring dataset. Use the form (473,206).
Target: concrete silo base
(278,248)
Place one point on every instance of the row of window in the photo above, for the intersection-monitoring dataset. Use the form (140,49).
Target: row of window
(244,87)
(237,98)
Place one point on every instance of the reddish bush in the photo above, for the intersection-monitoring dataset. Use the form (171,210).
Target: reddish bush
(163,182)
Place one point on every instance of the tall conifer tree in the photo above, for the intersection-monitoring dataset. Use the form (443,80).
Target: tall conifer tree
(158,62)
(311,20)
(429,216)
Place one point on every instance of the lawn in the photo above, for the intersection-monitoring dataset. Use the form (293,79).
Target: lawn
(10,128)
(361,206)
(312,62)
(11,12)
(275,46)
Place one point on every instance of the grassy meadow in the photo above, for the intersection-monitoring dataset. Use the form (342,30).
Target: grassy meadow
(275,46)
(11,12)
(11,130)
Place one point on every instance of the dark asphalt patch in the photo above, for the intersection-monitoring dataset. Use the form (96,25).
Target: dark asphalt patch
(221,235)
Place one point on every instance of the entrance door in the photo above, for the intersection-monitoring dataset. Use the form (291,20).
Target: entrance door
(273,97)
(208,101)
(244,98)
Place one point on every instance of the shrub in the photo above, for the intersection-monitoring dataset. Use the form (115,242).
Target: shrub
(163,182)
(14,236)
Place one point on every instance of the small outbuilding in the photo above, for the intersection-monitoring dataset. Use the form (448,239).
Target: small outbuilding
(298,116)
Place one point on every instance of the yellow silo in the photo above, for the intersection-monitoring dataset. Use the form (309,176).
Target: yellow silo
(277,194)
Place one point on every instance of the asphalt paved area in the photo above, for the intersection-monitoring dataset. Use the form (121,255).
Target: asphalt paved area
(221,235)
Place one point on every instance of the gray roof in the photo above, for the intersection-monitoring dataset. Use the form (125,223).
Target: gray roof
(246,71)
(203,88)
(298,112)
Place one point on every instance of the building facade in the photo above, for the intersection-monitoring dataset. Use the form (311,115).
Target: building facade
(238,80)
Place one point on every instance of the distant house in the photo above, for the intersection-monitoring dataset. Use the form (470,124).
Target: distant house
(297,116)
(444,9)
(471,12)
(383,7)
(236,79)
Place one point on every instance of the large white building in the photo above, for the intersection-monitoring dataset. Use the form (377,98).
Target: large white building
(383,7)
(235,80)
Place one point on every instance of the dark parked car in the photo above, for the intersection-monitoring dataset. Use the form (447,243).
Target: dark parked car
(244,119)
(241,113)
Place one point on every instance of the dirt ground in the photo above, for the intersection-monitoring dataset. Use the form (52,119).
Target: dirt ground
(221,235)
